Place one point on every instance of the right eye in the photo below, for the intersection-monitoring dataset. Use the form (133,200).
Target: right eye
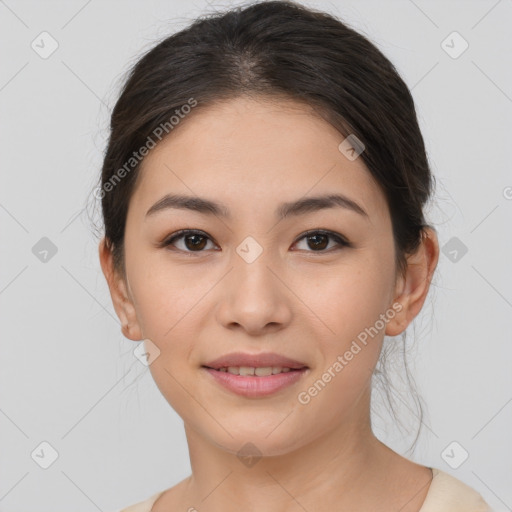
(192,240)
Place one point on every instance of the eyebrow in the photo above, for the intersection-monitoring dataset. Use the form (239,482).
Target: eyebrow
(299,207)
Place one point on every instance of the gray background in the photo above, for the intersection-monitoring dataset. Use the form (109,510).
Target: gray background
(69,377)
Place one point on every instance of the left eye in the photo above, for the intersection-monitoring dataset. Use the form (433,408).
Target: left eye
(319,240)
(196,241)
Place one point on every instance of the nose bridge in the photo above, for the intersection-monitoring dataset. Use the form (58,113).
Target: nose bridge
(254,297)
(253,273)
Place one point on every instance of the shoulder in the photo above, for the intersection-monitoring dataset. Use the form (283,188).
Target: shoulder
(448,494)
(168,501)
(142,506)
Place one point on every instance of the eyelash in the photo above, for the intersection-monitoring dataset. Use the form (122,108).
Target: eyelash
(341,241)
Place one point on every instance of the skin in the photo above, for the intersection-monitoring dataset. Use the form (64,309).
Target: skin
(305,303)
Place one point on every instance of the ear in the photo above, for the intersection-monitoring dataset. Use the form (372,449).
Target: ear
(411,290)
(121,299)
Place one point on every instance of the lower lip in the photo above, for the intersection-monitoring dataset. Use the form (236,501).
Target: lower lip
(252,386)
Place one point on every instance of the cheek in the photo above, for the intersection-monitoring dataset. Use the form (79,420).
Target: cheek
(166,296)
(350,305)
(349,299)
(170,312)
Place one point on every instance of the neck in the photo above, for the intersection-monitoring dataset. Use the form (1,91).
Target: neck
(335,468)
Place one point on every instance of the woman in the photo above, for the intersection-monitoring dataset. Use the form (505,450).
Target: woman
(262,193)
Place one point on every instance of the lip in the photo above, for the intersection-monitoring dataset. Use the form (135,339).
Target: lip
(252,386)
(260,360)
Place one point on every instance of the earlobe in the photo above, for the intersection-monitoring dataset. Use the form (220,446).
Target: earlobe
(126,312)
(397,324)
(412,289)
(121,299)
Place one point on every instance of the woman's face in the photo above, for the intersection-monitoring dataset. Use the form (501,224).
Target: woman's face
(251,281)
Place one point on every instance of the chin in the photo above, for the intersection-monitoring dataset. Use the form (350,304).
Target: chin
(251,440)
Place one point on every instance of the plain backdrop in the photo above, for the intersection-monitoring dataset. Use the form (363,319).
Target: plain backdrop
(69,378)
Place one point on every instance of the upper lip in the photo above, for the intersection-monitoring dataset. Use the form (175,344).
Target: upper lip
(261,360)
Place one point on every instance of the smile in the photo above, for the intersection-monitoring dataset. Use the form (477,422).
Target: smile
(252,382)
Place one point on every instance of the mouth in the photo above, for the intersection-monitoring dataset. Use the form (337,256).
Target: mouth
(255,382)
(264,363)
(255,375)
(251,371)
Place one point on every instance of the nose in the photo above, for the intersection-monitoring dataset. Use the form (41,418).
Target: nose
(254,298)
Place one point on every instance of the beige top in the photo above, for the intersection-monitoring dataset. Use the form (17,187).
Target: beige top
(446,494)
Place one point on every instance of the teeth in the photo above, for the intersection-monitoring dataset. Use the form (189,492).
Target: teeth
(259,372)
(244,370)
(263,372)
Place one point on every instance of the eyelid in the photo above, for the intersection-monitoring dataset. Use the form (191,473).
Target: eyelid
(183,232)
(339,238)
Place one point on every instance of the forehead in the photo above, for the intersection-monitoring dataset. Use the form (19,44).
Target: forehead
(252,154)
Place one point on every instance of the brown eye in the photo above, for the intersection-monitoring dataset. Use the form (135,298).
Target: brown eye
(318,241)
(192,241)
(195,242)
(188,240)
